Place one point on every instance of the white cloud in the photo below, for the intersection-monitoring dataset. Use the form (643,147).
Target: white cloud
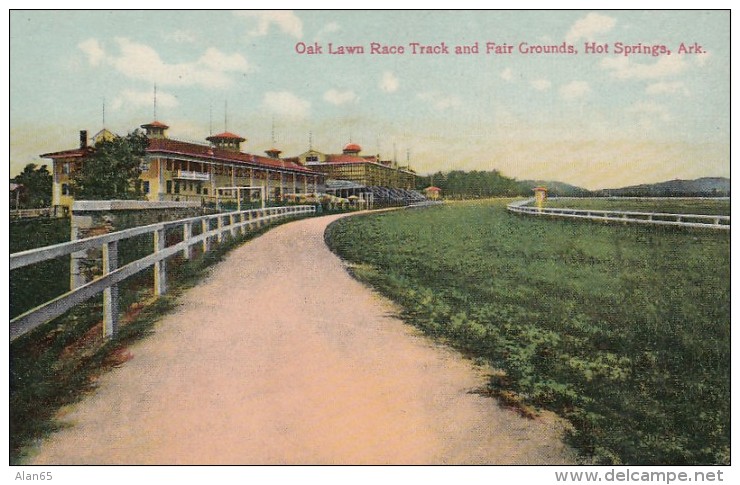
(649,110)
(440,101)
(337,97)
(287,104)
(541,84)
(93,50)
(589,26)
(329,28)
(676,87)
(622,68)
(507,74)
(136,99)
(217,60)
(285,20)
(389,82)
(645,107)
(139,61)
(701,59)
(180,36)
(575,90)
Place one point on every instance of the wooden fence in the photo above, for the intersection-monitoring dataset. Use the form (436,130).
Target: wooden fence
(227,224)
(708,221)
(30,213)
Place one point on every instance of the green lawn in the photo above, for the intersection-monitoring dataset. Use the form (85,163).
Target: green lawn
(623,330)
(673,206)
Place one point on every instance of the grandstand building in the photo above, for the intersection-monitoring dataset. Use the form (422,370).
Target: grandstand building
(349,174)
(186,171)
(365,170)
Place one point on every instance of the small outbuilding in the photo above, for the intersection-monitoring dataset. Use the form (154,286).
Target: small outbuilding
(433,193)
(540,195)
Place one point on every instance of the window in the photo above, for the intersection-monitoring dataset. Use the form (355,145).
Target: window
(66,168)
(312,158)
(65,189)
(177,187)
(169,186)
(145,187)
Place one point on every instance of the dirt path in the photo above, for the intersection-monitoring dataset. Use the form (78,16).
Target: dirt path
(280,357)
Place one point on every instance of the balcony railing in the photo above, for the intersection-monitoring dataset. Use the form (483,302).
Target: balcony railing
(196,176)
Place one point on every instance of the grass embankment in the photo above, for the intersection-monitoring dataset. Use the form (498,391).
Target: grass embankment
(623,330)
(672,206)
(59,362)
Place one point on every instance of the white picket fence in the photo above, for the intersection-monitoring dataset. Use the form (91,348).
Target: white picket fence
(708,221)
(227,224)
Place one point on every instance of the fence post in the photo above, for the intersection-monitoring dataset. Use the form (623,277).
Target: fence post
(75,268)
(205,227)
(187,232)
(231,223)
(220,225)
(160,267)
(110,294)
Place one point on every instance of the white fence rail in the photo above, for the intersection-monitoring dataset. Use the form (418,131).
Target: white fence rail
(708,221)
(26,213)
(228,224)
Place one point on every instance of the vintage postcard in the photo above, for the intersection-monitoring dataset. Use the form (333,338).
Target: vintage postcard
(360,237)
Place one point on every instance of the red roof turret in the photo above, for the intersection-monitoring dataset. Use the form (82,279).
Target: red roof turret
(155,129)
(352,148)
(226,135)
(155,124)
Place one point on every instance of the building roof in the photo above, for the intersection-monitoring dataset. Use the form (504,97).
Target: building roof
(155,124)
(352,147)
(226,135)
(347,158)
(176,147)
(74,153)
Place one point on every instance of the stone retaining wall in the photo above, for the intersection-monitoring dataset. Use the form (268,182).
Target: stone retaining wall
(95,217)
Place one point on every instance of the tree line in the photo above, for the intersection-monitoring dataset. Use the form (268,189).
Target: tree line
(459,184)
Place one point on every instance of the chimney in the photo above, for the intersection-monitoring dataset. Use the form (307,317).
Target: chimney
(83,138)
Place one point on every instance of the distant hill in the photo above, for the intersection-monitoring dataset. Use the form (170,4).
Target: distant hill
(554,188)
(701,187)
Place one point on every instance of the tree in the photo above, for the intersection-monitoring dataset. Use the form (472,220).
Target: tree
(112,170)
(37,184)
(474,184)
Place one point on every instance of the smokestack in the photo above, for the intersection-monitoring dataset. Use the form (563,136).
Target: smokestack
(83,138)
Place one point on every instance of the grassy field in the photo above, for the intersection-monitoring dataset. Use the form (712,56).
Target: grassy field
(622,330)
(674,206)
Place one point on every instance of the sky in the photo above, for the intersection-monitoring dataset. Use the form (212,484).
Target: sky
(597,120)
